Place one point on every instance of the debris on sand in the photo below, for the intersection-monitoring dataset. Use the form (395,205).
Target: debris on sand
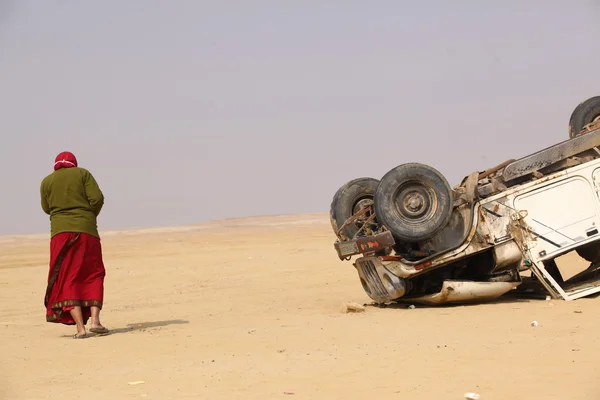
(352,308)
(472,396)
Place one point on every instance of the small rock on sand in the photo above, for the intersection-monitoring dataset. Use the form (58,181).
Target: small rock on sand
(352,307)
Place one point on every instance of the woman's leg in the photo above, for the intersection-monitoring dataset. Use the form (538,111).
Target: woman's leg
(96,326)
(78,318)
(93,275)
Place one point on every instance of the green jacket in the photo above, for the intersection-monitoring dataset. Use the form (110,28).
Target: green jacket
(73,199)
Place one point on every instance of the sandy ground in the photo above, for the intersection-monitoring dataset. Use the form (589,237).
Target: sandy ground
(250,309)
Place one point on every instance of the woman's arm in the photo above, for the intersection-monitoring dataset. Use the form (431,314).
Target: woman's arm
(44,199)
(94,194)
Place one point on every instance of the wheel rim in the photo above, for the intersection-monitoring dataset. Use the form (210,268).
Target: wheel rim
(415,203)
(362,204)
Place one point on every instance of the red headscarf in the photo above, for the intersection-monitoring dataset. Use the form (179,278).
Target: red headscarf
(65,159)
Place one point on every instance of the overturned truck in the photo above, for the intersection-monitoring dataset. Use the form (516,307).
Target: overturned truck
(419,240)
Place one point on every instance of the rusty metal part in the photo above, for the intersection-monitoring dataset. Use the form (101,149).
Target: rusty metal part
(595,124)
(352,219)
(485,190)
(497,168)
(423,265)
(356,216)
(551,155)
(470,194)
(365,244)
(367,222)
(390,258)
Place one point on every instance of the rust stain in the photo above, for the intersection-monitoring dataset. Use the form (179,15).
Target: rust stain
(482,215)
(421,266)
(390,258)
(365,244)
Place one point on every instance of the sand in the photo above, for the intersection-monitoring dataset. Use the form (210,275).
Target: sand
(251,309)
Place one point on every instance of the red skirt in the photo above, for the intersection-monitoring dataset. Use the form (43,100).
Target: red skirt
(76,277)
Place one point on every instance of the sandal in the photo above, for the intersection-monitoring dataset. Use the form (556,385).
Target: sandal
(100,329)
(78,336)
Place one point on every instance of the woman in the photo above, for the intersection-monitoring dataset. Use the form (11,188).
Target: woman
(75,292)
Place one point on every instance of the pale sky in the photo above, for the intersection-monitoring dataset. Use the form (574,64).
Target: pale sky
(190,111)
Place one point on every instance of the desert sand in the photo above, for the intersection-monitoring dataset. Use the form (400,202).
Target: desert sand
(250,309)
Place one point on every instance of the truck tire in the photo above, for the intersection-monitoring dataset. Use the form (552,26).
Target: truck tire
(414,202)
(585,113)
(348,200)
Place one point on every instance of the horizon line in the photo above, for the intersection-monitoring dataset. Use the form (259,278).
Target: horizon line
(189,226)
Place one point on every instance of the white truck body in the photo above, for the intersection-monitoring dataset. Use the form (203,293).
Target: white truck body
(523,226)
(419,240)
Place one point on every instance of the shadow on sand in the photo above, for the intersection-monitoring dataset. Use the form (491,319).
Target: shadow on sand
(139,326)
(142,326)
(508,298)
(441,306)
